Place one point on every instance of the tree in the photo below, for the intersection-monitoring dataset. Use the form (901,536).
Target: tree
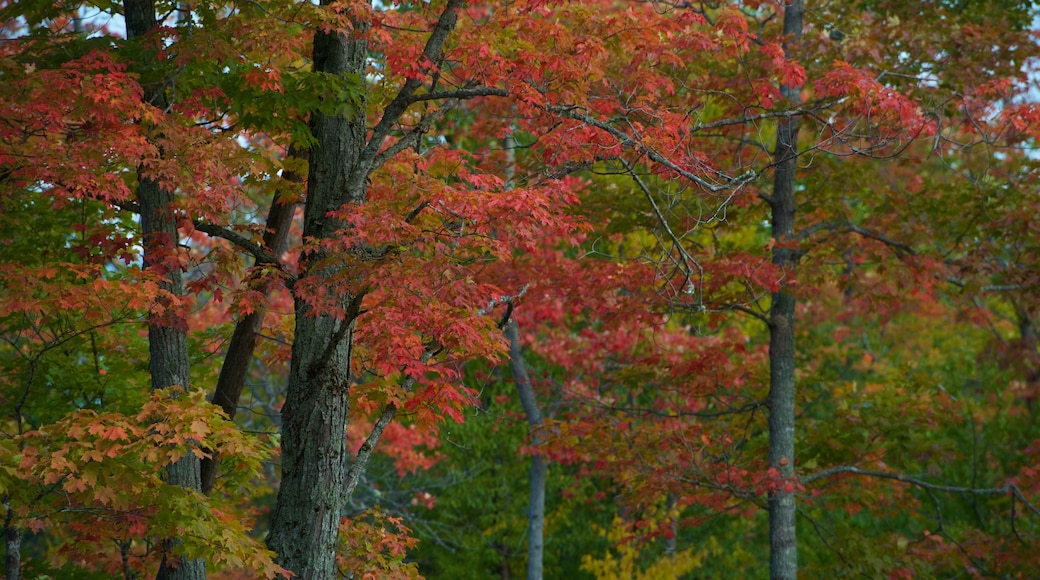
(624,232)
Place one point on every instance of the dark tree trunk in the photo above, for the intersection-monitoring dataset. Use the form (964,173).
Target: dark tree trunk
(783,560)
(167,333)
(168,349)
(240,350)
(305,523)
(539,468)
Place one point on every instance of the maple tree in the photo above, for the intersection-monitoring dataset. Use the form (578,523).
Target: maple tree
(642,206)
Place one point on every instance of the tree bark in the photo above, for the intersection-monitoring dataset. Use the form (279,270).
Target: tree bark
(167,333)
(539,468)
(240,350)
(305,523)
(13,543)
(783,547)
(168,347)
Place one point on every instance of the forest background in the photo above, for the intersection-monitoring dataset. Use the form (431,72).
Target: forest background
(611,289)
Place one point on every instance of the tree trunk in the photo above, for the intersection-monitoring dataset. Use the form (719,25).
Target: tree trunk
(783,546)
(168,349)
(167,333)
(240,350)
(13,543)
(305,523)
(539,468)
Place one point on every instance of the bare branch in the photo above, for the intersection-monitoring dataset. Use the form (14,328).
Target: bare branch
(262,256)
(671,413)
(465,93)
(902,250)
(686,257)
(503,300)
(989,288)
(256,250)
(744,309)
(1006,489)
(754,118)
(365,453)
(653,154)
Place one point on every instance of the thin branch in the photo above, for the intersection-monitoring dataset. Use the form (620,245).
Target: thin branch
(365,453)
(281,341)
(819,534)
(673,413)
(989,288)
(503,300)
(415,212)
(1007,488)
(686,257)
(764,116)
(431,54)
(744,309)
(653,154)
(902,250)
(262,256)
(466,93)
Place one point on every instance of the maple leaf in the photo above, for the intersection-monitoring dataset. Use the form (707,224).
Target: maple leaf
(116,433)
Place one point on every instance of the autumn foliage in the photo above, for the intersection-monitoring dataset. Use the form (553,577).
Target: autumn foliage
(708,221)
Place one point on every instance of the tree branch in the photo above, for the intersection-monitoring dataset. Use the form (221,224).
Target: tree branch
(412,137)
(744,309)
(257,251)
(1007,488)
(686,257)
(503,300)
(647,411)
(902,250)
(653,154)
(262,256)
(353,310)
(764,116)
(388,414)
(431,54)
(990,288)
(466,93)
(365,453)
(242,346)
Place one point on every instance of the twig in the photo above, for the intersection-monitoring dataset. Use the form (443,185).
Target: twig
(687,258)
(1007,488)
(653,154)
